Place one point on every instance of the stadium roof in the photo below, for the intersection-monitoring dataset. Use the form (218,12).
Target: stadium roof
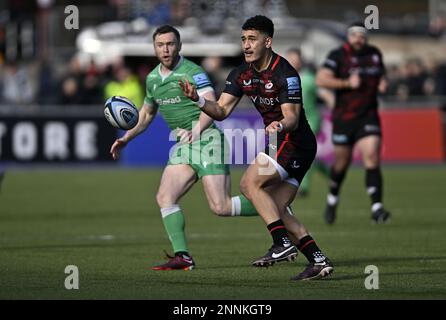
(134,38)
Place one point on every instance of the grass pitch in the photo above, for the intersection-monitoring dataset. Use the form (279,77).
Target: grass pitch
(106,222)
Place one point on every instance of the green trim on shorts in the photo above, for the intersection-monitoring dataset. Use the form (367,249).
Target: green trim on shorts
(211,170)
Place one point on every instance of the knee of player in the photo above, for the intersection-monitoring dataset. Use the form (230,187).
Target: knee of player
(341,164)
(372,160)
(220,209)
(245,188)
(163,199)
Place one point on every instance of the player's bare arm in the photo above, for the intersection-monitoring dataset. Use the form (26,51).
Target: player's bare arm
(290,121)
(218,110)
(146,116)
(383,84)
(327,79)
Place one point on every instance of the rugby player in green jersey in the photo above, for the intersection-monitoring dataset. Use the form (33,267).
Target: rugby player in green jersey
(195,131)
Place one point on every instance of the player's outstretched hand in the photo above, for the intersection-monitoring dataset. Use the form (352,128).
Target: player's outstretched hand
(116,148)
(189,90)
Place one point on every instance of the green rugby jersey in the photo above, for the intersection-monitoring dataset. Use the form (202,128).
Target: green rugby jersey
(309,96)
(165,92)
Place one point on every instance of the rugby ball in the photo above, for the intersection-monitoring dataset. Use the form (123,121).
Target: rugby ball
(121,113)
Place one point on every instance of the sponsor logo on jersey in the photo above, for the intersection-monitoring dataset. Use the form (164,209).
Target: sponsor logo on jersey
(265,101)
(295,165)
(340,138)
(375,58)
(201,80)
(162,102)
(369,71)
(247,83)
(372,128)
(331,63)
(293,83)
(268,85)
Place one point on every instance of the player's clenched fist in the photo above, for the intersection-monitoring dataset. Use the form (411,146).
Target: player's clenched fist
(117,147)
(189,90)
(354,81)
(273,127)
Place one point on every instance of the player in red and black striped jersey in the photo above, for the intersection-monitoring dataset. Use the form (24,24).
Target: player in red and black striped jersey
(356,72)
(269,89)
(272,180)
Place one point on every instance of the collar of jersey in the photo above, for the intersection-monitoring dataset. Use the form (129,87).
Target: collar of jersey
(273,59)
(348,48)
(164,77)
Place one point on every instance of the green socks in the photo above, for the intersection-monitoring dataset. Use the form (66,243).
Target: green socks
(243,207)
(174,223)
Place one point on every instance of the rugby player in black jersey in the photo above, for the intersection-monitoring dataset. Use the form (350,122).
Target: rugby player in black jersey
(272,180)
(356,72)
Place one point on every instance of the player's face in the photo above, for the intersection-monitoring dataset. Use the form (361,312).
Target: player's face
(167,49)
(255,45)
(357,40)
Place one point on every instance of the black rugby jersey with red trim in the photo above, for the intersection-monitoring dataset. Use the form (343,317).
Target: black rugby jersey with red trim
(361,102)
(268,90)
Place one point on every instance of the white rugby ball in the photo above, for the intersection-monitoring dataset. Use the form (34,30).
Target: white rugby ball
(121,113)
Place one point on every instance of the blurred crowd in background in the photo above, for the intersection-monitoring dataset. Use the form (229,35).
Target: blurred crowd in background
(66,81)
(76,85)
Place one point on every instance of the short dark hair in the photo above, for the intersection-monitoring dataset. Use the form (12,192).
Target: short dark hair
(260,23)
(356,24)
(167,29)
